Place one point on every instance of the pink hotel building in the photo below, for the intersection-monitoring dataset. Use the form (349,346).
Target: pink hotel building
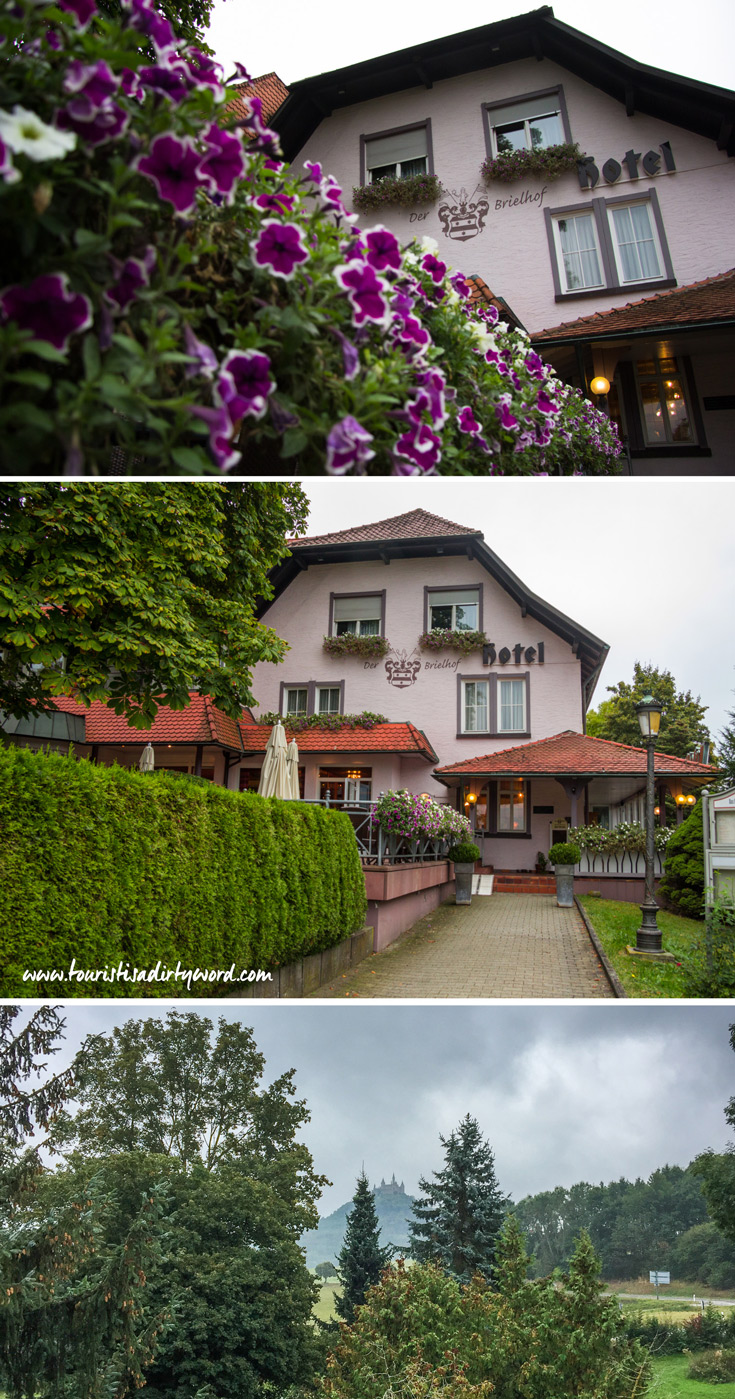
(624,266)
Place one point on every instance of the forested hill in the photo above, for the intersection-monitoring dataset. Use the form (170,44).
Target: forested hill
(393,1208)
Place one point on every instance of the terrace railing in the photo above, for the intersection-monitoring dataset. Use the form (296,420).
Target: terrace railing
(377,848)
(623,863)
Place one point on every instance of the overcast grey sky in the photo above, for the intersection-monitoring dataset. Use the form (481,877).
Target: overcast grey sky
(562,1093)
(647,565)
(298,40)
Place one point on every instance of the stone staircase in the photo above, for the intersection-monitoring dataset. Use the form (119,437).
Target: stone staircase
(519,882)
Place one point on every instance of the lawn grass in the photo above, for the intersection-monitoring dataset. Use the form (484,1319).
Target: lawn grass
(324,1308)
(670,1381)
(616,924)
(678,1287)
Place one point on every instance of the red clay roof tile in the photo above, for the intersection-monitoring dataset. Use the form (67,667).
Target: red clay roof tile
(577,755)
(269,88)
(200,722)
(415,524)
(700,302)
(383,738)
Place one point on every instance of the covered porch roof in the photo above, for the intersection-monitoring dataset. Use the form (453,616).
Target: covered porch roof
(573,758)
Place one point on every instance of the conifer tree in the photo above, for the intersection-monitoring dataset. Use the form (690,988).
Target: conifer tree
(361,1259)
(726,750)
(460,1214)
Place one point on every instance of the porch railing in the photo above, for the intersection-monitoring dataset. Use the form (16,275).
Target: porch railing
(623,863)
(377,848)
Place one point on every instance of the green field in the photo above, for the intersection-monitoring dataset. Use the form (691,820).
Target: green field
(324,1308)
(670,1382)
(616,923)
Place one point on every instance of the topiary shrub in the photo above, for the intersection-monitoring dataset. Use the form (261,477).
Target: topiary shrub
(112,869)
(465,853)
(713,1366)
(682,886)
(564,853)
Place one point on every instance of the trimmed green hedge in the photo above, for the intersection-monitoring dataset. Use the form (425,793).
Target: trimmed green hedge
(105,864)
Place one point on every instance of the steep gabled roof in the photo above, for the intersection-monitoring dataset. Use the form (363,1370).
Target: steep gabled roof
(403,738)
(700,107)
(419,534)
(707,303)
(269,88)
(570,754)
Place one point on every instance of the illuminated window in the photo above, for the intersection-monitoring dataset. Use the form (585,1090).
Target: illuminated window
(665,415)
(512,805)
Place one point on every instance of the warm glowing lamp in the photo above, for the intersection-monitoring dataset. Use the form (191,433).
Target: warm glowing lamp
(600,385)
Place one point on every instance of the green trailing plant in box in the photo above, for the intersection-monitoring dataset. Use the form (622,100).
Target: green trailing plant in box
(465,853)
(542,162)
(564,853)
(350,645)
(415,189)
(112,868)
(444,639)
(629,837)
(296,723)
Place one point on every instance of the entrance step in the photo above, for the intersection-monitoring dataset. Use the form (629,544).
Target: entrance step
(482,883)
(511,882)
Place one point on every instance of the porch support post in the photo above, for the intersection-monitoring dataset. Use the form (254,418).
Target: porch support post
(198,760)
(574,787)
(226,772)
(94,756)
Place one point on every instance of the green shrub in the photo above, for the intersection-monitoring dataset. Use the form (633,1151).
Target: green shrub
(465,853)
(105,865)
(564,853)
(682,886)
(709,969)
(714,1366)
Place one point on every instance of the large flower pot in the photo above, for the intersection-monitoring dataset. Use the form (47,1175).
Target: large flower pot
(564,885)
(463,883)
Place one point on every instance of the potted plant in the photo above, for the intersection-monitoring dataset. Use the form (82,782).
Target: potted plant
(541,862)
(463,858)
(564,856)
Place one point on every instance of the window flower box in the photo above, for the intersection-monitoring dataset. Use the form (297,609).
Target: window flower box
(442,639)
(542,162)
(351,645)
(296,723)
(415,189)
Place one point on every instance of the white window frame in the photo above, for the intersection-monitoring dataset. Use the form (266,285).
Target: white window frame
(537,109)
(660,377)
(512,680)
(612,209)
(454,605)
(586,214)
(359,604)
(327,690)
(295,690)
(414,135)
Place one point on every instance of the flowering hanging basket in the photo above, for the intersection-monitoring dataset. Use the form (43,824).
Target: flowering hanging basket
(416,189)
(543,162)
(350,645)
(443,639)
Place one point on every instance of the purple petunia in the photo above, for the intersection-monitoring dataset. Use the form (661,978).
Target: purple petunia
(244,383)
(205,72)
(279,248)
(174,166)
(48,308)
(365,291)
(435,267)
(421,447)
(83,9)
(314,171)
(204,360)
(545,404)
(130,276)
(95,80)
(383,249)
(504,416)
(220,435)
(350,353)
(466,421)
(348,447)
(148,21)
(172,80)
(93,124)
(277,202)
(224,162)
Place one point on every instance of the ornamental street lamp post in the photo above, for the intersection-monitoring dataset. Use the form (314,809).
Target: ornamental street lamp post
(648,936)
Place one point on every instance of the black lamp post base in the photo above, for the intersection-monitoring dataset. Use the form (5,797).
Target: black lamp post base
(649,956)
(648,936)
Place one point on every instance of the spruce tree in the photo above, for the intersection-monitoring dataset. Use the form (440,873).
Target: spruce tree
(726,750)
(460,1214)
(361,1259)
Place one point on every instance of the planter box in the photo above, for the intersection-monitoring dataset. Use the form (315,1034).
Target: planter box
(564,885)
(399,894)
(463,883)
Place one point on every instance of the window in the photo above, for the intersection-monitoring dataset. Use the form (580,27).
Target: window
(512,718)
(328,699)
(512,805)
(493,705)
(528,122)
(295,701)
(357,614)
(346,784)
(456,609)
(476,706)
(397,154)
(311,698)
(608,245)
(636,246)
(664,411)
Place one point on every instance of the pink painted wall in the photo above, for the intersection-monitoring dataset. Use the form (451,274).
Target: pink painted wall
(301,615)
(511,253)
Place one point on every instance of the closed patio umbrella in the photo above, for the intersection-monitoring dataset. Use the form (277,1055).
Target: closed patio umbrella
(146,760)
(274,781)
(292,760)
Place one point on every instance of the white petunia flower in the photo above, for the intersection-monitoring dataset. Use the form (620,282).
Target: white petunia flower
(429,245)
(485,339)
(25,134)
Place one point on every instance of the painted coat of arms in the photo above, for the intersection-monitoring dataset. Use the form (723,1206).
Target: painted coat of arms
(463,216)
(402,669)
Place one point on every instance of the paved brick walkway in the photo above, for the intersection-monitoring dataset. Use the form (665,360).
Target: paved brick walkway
(507,945)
